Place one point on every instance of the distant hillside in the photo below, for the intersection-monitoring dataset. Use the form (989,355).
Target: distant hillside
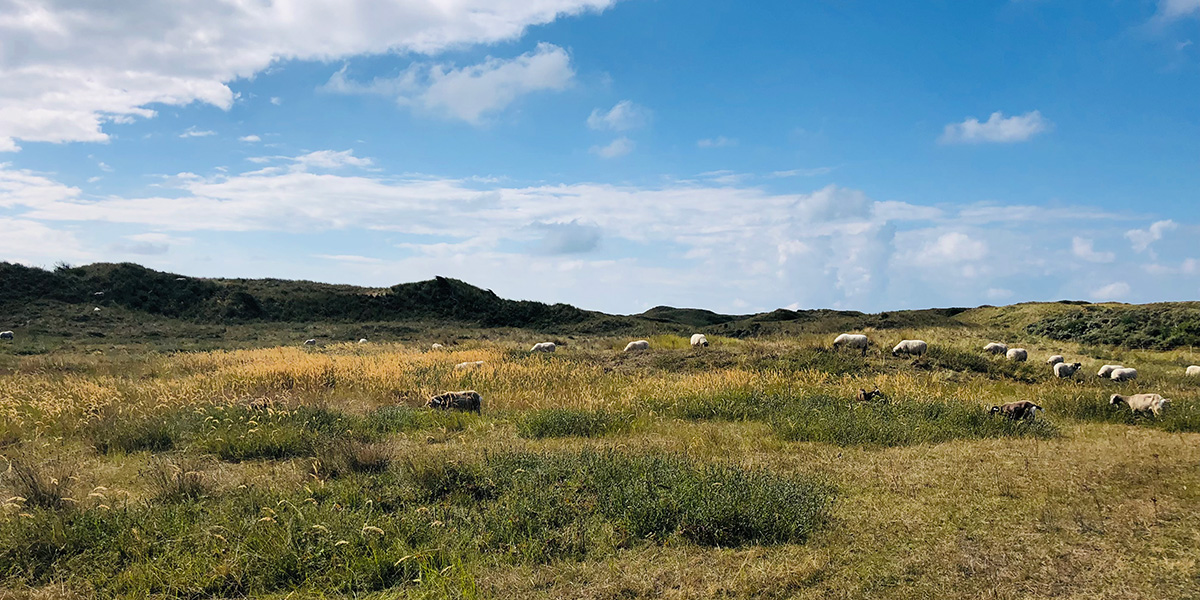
(143,303)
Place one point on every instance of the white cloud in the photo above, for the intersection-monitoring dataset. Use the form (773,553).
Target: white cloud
(999,294)
(329,159)
(623,116)
(250,138)
(349,258)
(803,172)
(33,243)
(718,142)
(1141,239)
(58,88)
(148,244)
(618,147)
(468,93)
(193,132)
(997,129)
(1190,266)
(947,249)
(276,100)
(1112,291)
(1084,248)
(1175,9)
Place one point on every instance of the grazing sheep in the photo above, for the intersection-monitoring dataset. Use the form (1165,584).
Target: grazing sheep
(852,340)
(1107,370)
(865,396)
(1056,359)
(1064,370)
(181,279)
(6,335)
(910,348)
(1192,371)
(436,347)
(699,341)
(1124,374)
(312,342)
(468,400)
(97,309)
(1141,402)
(543,347)
(1017,410)
(362,341)
(1017,354)
(996,348)
(638,345)
(474,364)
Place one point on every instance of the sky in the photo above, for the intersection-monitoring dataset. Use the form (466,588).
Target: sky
(616,154)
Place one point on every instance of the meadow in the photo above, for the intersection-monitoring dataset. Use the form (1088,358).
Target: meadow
(741,470)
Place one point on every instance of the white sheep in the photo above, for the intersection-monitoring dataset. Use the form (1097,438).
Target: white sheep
(436,346)
(1192,371)
(699,341)
(310,342)
(1107,370)
(1056,359)
(852,340)
(638,345)
(6,335)
(1141,402)
(996,348)
(543,347)
(1064,370)
(474,364)
(910,348)
(1123,374)
(362,341)
(1017,354)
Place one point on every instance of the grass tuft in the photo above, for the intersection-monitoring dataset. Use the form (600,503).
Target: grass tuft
(567,422)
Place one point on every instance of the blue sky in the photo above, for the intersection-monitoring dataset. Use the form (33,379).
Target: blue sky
(613,154)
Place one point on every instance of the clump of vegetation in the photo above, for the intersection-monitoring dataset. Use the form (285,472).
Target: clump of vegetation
(1160,327)
(41,483)
(1178,417)
(133,433)
(342,457)
(178,480)
(567,422)
(829,420)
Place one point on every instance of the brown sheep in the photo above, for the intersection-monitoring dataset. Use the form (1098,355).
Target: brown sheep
(1017,410)
(467,400)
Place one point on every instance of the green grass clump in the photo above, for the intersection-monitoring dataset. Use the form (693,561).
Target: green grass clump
(830,420)
(1180,416)
(741,405)
(399,419)
(567,422)
(828,360)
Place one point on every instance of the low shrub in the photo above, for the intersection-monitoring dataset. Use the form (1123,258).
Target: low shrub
(42,483)
(178,480)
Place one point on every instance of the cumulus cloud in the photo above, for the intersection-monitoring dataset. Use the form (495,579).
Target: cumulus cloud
(33,243)
(1113,291)
(192,132)
(468,93)
(250,138)
(997,129)
(1141,239)
(618,147)
(623,116)
(1084,248)
(947,249)
(1175,9)
(147,244)
(567,238)
(58,88)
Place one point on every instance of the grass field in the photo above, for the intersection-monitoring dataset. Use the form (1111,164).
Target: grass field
(743,470)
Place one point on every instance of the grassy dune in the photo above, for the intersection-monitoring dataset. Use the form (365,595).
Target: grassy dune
(742,470)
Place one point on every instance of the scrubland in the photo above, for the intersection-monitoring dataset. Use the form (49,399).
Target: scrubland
(742,470)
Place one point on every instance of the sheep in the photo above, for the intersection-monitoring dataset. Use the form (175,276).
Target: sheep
(436,347)
(1107,370)
(865,396)
(466,400)
(995,348)
(910,347)
(97,309)
(362,341)
(1124,374)
(1064,370)
(1141,402)
(543,347)
(474,364)
(310,342)
(6,335)
(1017,354)
(1192,371)
(699,341)
(638,345)
(852,340)
(1017,410)
(1054,360)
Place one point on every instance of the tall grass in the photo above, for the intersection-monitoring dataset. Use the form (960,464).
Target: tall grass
(566,422)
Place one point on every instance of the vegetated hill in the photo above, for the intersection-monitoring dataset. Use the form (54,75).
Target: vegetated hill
(140,301)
